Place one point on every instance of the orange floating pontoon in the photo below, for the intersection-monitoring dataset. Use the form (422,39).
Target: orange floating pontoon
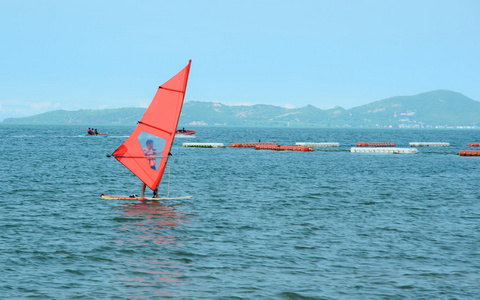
(469,153)
(267,147)
(296,148)
(284,148)
(474,144)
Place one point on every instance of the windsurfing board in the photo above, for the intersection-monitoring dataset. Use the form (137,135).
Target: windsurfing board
(108,197)
(103,134)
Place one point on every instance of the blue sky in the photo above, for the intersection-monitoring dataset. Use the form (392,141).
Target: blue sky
(109,54)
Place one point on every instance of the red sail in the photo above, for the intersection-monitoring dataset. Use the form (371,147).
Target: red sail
(157,128)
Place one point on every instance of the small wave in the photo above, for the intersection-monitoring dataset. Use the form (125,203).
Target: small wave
(406,287)
(297,296)
(77,272)
(186,253)
(24,136)
(305,247)
(64,136)
(127,219)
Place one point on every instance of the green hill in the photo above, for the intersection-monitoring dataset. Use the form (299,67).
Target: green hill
(433,108)
(436,108)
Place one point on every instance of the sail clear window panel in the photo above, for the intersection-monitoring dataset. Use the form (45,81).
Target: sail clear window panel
(158,145)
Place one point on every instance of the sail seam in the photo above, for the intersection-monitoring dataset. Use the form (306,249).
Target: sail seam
(178,91)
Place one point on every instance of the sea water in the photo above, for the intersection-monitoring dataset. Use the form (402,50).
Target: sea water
(328,224)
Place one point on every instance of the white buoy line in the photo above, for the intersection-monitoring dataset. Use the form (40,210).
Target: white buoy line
(429,144)
(203,145)
(317,145)
(384,150)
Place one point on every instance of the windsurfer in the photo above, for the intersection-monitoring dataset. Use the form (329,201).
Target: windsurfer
(150,153)
(160,117)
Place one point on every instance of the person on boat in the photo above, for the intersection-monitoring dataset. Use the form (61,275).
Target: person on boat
(96,132)
(150,153)
(89,131)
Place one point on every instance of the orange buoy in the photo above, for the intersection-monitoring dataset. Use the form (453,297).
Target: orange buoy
(250,145)
(296,148)
(474,144)
(376,145)
(469,153)
(267,147)
(284,148)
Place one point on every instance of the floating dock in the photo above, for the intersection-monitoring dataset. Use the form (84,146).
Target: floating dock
(376,145)
(386,150)
(267,147)
(429,144)
(474,144)
(203,145)
(251,145)
(284,148)
(318,145)
(469,153)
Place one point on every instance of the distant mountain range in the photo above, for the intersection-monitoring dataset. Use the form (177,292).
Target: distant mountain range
(441,108)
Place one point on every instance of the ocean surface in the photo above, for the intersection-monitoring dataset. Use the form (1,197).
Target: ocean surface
(328,224)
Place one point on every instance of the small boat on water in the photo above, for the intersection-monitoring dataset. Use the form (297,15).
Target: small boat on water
(181,132)
(103,134)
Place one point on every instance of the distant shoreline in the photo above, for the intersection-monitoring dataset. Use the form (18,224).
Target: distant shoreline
(199,127)
(436,109)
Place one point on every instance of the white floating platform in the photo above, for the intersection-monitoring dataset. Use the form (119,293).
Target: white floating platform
(384,150)
(318,145)
(204,145)
(429,144)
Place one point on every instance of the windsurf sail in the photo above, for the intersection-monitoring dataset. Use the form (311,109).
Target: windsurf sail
(146,150)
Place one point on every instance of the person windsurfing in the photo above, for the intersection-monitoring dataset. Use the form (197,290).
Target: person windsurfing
(150,153)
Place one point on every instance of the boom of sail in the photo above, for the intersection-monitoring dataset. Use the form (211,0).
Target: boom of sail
(146,150)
